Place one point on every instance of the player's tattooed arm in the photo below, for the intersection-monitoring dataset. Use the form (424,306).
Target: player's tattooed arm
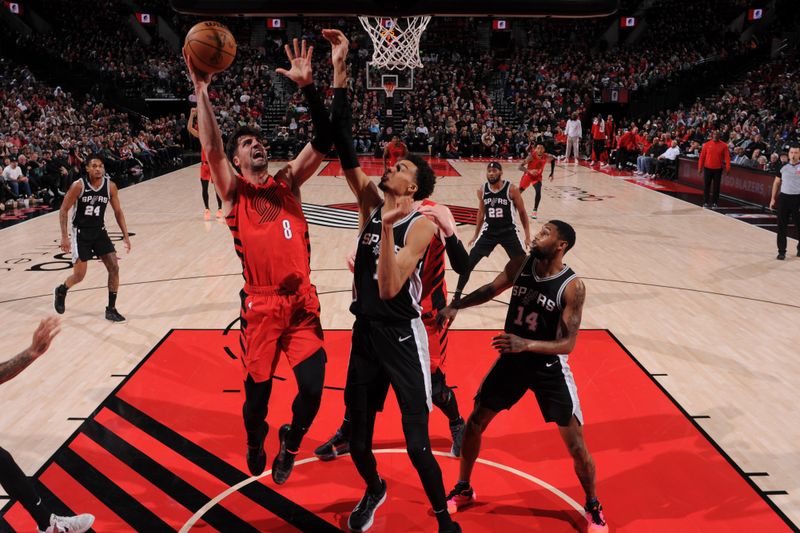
(42,337)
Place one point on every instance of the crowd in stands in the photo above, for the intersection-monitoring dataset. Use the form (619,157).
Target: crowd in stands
(46,134)
(466,102)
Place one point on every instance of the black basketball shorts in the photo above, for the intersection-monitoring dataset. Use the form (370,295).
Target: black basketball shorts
(88,243)
(389,353)
(549,377)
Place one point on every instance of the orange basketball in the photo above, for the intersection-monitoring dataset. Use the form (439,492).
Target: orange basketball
(211,46)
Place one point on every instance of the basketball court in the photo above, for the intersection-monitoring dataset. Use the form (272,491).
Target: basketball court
(684,369)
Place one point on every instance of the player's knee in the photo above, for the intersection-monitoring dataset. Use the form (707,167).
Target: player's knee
(475,424)
(113,268)
(577,449)
(442,398)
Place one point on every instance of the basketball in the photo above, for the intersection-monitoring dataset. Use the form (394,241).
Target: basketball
(211,46)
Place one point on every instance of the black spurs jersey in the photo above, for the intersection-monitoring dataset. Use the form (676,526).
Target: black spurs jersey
(498,210)
(367,302)
(90,209)
(534,311)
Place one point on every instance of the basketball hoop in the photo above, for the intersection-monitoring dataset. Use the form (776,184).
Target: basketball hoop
(395,40)
(388,87)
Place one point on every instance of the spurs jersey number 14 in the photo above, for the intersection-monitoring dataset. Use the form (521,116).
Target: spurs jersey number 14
(536,305)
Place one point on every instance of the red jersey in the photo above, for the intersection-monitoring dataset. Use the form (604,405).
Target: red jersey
(270,236)
(434,288)
(205,169)
(536,165)
(396,152)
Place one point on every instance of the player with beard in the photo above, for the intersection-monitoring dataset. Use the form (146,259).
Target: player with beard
(496,222)
(544,316)
(279,305)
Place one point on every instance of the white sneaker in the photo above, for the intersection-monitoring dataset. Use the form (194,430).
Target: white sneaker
(70,524)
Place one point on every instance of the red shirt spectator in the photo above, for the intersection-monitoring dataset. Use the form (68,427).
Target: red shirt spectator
(713,155)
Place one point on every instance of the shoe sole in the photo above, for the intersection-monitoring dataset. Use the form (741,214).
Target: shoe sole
(371,518)
(325,457)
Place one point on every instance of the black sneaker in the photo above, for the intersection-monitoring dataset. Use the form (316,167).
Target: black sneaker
(336,446)
(284,462)
(781,256)
(256,456)
(457,432)
(462,495)
(363,515)
(59,303)
(452,527)
(798,252)
(113,315)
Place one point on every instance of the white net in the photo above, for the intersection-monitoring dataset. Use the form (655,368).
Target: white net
(395,40)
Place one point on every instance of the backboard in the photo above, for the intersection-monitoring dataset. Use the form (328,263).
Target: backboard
(501,8)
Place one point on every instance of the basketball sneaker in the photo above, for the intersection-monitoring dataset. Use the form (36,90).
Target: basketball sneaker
(336,446)
(256,456)
(457,432)
(220,214)
(595,518)
(284,462)
(364,513)
(113,315)
(206,215)
(60,294)
(70,524)
(462,495)
(534,215)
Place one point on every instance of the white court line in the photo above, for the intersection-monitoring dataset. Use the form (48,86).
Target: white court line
(217,499)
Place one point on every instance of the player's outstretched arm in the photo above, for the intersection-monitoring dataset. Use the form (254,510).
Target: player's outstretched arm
(42,337)
(441,215)
(395,269)
(210,135)
(483,294)
(365,190)
(308,160)
(574,296)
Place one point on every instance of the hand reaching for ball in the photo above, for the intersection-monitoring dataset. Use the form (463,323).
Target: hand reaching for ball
(200,79)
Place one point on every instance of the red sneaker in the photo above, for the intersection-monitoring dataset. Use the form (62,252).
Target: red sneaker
(461,496)
(595,518)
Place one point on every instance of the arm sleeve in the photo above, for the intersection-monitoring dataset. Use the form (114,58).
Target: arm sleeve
(319,117)
(459,258)
(341,129)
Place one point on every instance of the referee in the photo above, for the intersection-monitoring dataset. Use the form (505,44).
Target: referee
(788,201)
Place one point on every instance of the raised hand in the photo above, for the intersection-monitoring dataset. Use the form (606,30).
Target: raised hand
(339,45)
(439,215)
(43,336)
(300,59)
(200,79)
(404,206)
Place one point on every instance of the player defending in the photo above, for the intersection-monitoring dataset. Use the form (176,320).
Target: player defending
(389,341)
(279,305)
(533,167)
(496,222)
(90,195)
(205,171)
(434,298)
(541,328)
(12,478)
(394,152)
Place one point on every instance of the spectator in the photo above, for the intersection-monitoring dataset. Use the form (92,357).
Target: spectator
(713,157)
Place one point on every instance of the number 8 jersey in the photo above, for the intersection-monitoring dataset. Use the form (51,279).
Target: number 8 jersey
(270,235)
(534,311)
(90,209)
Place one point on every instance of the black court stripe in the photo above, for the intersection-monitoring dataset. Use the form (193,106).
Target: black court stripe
(175,487)
(4,526)
(267,498)
(139,517)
